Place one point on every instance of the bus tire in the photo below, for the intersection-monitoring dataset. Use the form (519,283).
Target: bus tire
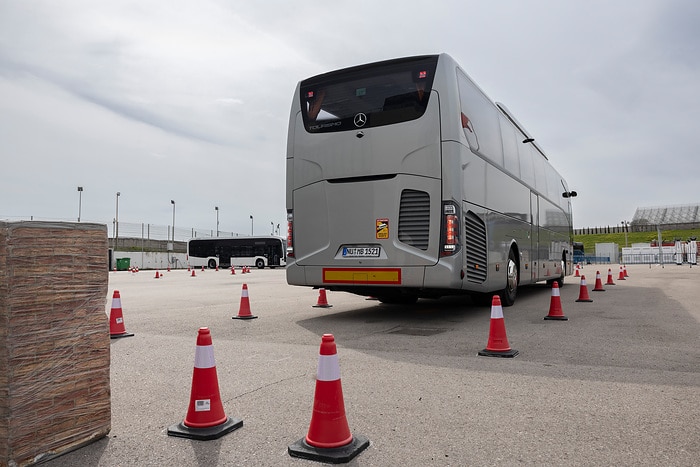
(510,291)
(260,264)
(212,264)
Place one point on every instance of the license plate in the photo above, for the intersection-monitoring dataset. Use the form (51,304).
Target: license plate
(360,251)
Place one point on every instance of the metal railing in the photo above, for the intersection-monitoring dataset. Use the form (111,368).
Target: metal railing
(163,232)
(587,259)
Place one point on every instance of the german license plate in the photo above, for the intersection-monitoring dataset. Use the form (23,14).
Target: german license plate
(360,251)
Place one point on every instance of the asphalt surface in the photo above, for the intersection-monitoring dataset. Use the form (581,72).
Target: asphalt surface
(616,384)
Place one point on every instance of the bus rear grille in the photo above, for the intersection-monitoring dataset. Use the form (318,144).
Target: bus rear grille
(475,231)
(414,219)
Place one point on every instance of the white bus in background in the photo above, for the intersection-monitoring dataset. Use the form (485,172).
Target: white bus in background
(404,181)
(261,252)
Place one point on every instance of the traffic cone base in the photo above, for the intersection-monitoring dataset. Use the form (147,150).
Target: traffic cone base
(493,353)
(341,455)
(181,430)
(557,318)
(124,334)
(244,317)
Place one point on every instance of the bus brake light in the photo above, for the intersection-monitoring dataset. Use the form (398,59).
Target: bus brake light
(290,237)
(450,230)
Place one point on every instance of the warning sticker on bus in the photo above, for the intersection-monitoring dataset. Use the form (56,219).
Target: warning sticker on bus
(382,228)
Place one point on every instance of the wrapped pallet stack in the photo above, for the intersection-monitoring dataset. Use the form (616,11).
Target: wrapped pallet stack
(54,339)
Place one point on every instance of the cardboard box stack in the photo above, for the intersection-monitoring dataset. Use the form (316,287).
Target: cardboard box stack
(54,339)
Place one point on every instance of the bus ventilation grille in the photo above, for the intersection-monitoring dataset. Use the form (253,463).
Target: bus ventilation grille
(414,219)
(476,247)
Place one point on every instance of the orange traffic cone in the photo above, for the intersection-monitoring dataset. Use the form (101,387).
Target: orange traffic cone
(610,278)
(624,267)
(322,301)
(233,271)
(497,345)
(157,276)
(168,268)
(598,283)
(555,310)
(202,268)
(621,276)
(244,309)
(205,418)
(329,438)
(116,320)
(578,273)
(583,292)
(194,274)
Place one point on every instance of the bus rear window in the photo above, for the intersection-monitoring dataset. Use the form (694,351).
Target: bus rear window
(372,95)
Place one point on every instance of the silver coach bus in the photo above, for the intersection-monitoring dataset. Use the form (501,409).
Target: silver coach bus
(405,181)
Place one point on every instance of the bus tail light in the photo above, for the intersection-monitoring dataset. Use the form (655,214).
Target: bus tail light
(449,244)
(290,236)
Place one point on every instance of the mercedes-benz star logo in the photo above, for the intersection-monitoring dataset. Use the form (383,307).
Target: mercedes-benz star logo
(360,120)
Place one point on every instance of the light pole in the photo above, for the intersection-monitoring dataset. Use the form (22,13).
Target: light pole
(80,201)
(624,227)
(272,228)
(173,203)
(116,224)
(251,225)
(216,208)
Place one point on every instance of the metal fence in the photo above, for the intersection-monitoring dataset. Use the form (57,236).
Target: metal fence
(634,228)
(587,259)
(163,232)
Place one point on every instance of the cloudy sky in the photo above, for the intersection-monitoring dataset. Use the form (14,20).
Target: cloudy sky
(189,101)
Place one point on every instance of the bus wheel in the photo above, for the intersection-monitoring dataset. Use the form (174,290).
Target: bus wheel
(259,263)
(510,291)
(212,264)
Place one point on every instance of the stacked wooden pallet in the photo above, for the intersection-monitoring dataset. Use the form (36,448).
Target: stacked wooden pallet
(54,339)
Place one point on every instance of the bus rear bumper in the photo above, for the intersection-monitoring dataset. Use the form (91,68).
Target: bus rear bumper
(347,277)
